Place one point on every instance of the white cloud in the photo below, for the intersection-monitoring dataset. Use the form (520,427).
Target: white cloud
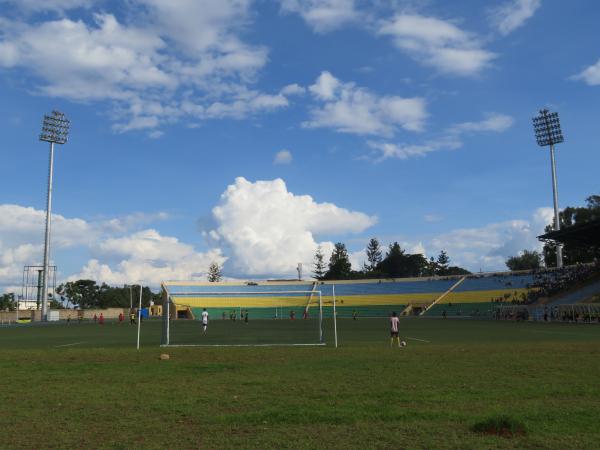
(149,256)
(24,225)
(22,234)
(416,249)
(200,25)
(161,63)
(387,150)
(268,229)
(244,103)
(102,61)
(489,246)
(293,89)
(438,43)
(129,222)
(590,75)
(283,157)
(322,15)
(357,259)
(349,109)
(432,218)
(325,86)
(495,122)
(513,14)
(155,134)
(9,54)
(450,139)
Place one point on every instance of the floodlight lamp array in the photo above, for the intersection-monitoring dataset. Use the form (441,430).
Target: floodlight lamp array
(547,128)
(55,128)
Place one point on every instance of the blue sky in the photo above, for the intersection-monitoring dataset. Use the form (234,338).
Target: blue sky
(249,132)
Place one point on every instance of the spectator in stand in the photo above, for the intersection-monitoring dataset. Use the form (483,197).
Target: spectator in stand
(551,282)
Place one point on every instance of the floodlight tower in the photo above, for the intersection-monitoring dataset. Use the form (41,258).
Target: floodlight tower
(548,133)
(55,130)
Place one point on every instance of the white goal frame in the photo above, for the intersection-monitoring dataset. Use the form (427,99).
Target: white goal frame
(167,301)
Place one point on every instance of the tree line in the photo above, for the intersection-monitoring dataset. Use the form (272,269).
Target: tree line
(87,294)
(395,263)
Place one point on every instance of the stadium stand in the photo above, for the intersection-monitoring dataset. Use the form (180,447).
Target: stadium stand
(476,295)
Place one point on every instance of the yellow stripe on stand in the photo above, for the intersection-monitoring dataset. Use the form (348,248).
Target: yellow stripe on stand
(300,301)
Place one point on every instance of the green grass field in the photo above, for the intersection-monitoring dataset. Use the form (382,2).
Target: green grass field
(85,386)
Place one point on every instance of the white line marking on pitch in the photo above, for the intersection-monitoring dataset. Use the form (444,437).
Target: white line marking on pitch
(420,340)
(68,345)
(244,345)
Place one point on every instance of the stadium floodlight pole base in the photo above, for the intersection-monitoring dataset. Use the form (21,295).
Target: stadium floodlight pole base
(139,318)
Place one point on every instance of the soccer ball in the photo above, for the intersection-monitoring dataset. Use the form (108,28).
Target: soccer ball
(403,343)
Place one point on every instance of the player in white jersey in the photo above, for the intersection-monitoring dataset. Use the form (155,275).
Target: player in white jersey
(394,322)
(204,320)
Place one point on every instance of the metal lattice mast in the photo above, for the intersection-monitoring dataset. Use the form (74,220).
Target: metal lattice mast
(548,133)
(55,130)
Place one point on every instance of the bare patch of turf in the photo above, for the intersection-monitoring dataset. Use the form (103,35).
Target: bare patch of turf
(504,426)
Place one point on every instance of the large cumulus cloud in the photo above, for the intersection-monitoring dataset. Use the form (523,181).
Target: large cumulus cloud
(268,230)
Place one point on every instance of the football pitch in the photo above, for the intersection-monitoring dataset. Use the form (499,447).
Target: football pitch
(86,386)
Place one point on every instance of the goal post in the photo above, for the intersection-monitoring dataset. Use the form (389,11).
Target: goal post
(243,318)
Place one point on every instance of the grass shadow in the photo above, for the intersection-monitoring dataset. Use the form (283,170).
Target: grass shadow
(504,426)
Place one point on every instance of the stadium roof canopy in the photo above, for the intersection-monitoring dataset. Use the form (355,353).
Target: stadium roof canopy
(585,234)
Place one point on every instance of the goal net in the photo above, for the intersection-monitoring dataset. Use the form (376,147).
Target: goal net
(248,318)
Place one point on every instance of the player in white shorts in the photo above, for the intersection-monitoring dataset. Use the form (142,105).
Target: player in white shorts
(394,322)
(204,320)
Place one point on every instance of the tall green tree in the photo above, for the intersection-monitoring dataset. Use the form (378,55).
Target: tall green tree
(7,302)
(394,263)
(319,266)
(574,216)
(214,273)
(397,263)
(527,260)
(83,293)
(340,267)
(443,261)
(432,267)
(416,265)
(374,255)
